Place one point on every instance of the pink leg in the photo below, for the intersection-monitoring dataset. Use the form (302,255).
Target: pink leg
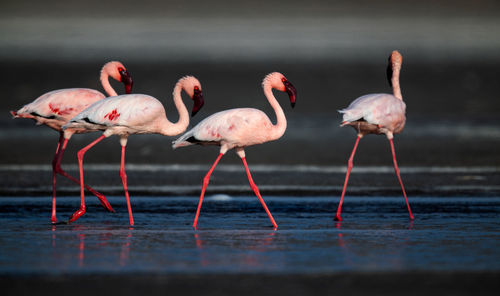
(58,170)
(53,218)
(396,169)
(80,155)
(205,184)
(257,192)
(123,176)
(349,168)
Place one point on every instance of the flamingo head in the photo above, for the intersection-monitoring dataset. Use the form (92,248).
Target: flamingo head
(119,73)
(192,87)
(278,81)
(395,61)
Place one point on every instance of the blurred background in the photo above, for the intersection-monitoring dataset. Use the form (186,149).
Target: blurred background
(332,51)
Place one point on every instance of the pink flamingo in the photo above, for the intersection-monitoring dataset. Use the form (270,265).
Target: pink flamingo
(57,107)
(132,114)
(239,128)
(378,114)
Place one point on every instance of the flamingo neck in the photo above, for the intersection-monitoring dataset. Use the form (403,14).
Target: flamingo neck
(105,84)
(396,90)
(279,128)
(173,129)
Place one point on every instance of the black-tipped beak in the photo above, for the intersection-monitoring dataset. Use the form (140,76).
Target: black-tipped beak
(389,72)
(127,81)
(291,91)
(198,101)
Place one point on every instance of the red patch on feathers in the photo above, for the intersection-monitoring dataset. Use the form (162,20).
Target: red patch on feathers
(59,111)
(112,115)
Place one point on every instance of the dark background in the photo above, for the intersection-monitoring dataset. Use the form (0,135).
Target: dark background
(332,51)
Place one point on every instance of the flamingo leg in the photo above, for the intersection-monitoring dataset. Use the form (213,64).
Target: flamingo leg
(205,184)
(80,155)
(123,176)
(257,193)
(396,169)
(56,167)
(53,218)
(349,168)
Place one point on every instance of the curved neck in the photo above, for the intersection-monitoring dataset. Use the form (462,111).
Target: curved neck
(173,129)
(279,128)
(396,90)
(105,84)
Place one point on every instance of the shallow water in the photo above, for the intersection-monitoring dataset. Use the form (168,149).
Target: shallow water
(235,236)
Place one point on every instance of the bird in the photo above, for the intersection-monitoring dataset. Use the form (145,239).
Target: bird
(132,114)
(239,128)
(56,108)
(380,114)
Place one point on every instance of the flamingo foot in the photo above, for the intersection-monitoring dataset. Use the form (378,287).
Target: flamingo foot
(53,220)
(337,218)
(411,217)
(77,215)
(105,203)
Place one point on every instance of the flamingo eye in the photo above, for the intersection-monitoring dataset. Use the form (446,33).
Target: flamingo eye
(196,88)
(283,79)
(120,69)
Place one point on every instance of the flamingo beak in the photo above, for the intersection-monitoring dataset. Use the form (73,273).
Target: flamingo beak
(389,72)
(127,81)
(291,91)
(198,101)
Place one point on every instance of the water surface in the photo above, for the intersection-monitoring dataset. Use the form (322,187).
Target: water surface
(235,236)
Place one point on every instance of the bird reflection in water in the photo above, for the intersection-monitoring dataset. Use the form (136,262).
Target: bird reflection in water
(390,245)
(247,249)
(108,238)
(125,249)
(344,247)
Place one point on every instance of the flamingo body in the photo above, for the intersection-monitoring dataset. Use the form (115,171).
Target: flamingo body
(120,115)
(376,114)
(239,128)
(57,107)
(132,114)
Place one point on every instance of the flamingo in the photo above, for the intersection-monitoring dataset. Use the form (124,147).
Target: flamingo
(57,107)
(239,128)
(378,114)
(132,114)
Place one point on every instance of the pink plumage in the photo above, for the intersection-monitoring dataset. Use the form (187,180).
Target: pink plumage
(384,112)
(57,107)
(138,113)
(239,128)
(132,114)
(377,114)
